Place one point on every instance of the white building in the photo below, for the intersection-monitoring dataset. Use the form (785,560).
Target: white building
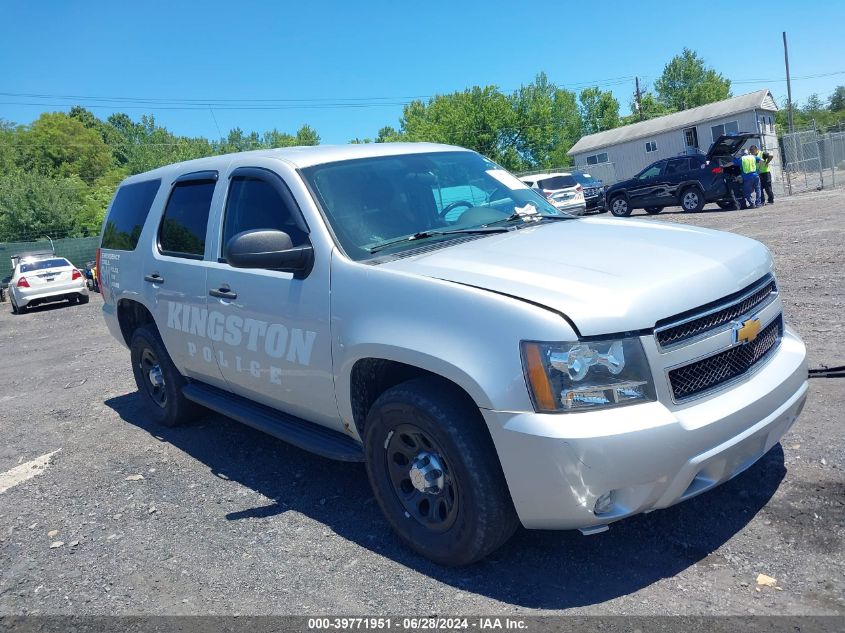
(623,152)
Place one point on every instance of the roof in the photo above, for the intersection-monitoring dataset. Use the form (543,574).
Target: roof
(759,100)
(301,157)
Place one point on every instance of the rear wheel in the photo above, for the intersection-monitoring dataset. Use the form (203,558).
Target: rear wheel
(435,473)
(692,199)
(619,207)
(158,380)
(726,205)
(83,298)
(653,210)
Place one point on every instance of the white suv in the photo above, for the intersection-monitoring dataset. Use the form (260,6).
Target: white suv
(418,308)
(561,188)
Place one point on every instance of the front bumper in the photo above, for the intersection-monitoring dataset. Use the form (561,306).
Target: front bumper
(651,456)
(575,208)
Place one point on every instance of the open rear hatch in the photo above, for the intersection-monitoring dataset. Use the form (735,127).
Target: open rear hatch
(729,144)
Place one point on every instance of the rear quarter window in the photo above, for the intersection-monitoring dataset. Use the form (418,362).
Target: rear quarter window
(128,214)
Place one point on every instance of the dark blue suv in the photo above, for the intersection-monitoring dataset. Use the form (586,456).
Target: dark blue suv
(689,182)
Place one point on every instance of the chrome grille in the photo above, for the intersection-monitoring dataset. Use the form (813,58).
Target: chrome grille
(710,372)
(679,329)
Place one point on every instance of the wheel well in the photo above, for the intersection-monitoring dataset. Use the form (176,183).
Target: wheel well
(371,377)
(131,315)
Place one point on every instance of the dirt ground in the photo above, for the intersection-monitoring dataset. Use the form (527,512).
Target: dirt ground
(225,520)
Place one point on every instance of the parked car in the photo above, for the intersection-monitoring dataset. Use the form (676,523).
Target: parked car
(686,181)
(562,189)
(507,364)
(593,191)
(39,278)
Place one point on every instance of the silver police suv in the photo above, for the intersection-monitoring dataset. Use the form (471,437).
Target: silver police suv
(492,359)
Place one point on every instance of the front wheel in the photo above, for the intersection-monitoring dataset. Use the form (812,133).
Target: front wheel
(158,380)
(619,207)
(692,200)
(435,473)
(653,210)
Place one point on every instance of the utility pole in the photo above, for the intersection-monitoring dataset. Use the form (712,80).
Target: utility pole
(788,84)
(638,98)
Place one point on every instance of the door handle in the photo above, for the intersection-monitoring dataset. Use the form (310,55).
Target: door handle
(223,293)
(155,278)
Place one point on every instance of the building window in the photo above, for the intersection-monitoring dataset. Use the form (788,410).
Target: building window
(731,127)
(691,137)
(650,146)
(595,159)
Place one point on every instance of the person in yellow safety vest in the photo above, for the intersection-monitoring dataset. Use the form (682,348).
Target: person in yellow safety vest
(750,178)
(766,177)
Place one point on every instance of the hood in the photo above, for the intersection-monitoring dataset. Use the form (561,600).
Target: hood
(729,144)
(606,275)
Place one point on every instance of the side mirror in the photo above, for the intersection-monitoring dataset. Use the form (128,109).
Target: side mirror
(268,249)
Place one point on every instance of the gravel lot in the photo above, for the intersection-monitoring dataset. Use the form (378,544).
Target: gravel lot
(227,520)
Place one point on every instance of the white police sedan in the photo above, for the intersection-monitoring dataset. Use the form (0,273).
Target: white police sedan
(41,279)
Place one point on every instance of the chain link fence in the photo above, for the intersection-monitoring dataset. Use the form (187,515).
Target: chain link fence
(79,250)
(813,160)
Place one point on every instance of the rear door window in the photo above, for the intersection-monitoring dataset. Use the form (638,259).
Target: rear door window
(185,220)
(128,214)
(677,166)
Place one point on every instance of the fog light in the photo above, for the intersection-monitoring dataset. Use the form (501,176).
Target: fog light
(604,503)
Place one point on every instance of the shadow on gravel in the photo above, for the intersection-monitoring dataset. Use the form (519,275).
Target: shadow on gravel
(543,570)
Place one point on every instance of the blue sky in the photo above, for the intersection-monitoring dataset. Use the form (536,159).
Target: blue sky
(374,55)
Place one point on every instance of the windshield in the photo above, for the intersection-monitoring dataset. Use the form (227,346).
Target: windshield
(585,179)
(43,264)
(370,202)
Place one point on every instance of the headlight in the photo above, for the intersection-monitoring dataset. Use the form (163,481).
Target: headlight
(586,375)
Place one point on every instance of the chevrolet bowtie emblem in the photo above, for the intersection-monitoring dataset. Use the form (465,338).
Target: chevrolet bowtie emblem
(747,331)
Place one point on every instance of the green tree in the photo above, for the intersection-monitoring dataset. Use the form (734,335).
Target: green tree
(88,217)
(307,135)
(599,110)
(547,123)
(813,104)
(33,204)
(477,118)
(57,144)
(836,102)
(687,83)
(274,138)
(388,134)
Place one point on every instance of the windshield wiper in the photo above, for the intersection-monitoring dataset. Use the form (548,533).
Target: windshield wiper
(426,234)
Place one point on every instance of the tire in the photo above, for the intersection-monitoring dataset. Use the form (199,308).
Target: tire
(727,206)
(692,200)
(428,426)
(619,207)
(83,298)
(653,210)
(161,388)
